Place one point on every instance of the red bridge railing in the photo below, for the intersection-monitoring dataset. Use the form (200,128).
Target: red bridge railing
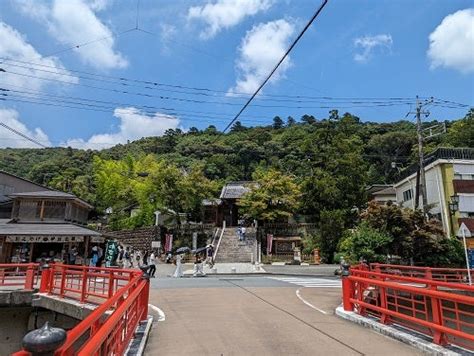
(86,284)
(23,275)
(122,299)
(439,309)
(454,275)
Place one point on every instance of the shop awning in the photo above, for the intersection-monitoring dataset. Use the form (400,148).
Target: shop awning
(45,233)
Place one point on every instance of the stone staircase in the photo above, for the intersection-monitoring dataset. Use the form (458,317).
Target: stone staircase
(232,250)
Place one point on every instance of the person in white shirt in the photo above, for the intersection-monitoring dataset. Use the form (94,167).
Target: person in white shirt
(242,232)
(152,265)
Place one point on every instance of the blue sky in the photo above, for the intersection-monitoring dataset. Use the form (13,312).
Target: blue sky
(355,49)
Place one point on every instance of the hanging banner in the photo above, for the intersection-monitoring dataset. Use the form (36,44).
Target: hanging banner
(269,244)
(168,242)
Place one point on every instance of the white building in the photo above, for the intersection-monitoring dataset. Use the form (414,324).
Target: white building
(449,176)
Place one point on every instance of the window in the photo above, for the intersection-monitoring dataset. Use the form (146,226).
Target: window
(457,176)
(407,195)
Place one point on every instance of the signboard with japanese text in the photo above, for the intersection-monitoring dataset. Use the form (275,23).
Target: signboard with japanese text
(44,239)
(111,252)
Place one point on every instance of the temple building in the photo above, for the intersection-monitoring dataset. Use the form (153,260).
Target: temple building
(37,222)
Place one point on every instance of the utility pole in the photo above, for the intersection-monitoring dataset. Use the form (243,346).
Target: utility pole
(419,130)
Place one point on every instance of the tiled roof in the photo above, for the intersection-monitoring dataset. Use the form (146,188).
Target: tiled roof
(52,194)
(235,190)
(44,229)
(454,153)
(386,191)
(463,186)
(44,194)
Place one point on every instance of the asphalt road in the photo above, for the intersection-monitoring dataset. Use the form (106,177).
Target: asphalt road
(258,316)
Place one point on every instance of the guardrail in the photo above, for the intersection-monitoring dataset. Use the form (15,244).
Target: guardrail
(19,275)
(454,275)
(122,298)
(439,309)
(86,284)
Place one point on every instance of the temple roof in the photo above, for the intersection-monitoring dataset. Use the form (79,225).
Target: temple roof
(235,190)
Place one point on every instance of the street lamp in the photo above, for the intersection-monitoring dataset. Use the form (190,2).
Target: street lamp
(454,204)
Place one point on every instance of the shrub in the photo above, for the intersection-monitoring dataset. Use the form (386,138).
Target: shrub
(366,243)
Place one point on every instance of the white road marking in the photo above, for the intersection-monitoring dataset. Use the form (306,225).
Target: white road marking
(310,282)
(308,303)
(161,315)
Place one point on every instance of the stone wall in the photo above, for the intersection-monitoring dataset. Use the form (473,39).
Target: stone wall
(141,238)
(138,239)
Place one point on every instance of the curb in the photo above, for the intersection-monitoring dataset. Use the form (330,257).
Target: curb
(138,343)
(402,334)
(260,274)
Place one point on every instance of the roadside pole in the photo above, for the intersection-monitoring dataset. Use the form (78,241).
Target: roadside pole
(462,231)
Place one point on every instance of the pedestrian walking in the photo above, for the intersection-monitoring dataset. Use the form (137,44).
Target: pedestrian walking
(120,257)
(152,265)
(72,255)
(210,255)
(94,257)
(243,230)
(137,258)
(239,233)
(145,258)
(178,273)
(127,257)
(198,268)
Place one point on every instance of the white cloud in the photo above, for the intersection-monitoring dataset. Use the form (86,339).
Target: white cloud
(74,22)
(452,42)
(224,14)
(369,44)
(99,5)
(13,45)
(134,125)
(11,118)
(260,50)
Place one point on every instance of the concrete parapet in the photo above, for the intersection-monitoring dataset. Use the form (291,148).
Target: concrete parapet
(407,336)
(69,307)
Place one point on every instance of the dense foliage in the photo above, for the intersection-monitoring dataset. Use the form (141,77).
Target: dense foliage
(273,196)
(319,168)
(392,231)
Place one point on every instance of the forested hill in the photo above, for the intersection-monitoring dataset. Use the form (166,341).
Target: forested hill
(338,150)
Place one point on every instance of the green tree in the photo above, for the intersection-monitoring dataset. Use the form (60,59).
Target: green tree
(278,123)
(290,121)
(413,237)
(366,243)
(461,132)
(237,127)
(273,196)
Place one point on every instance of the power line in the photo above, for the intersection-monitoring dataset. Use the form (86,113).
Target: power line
(88,43)
(277,65)
(152,85)
(147,84)
(328,105)
(22,135)
(297,99)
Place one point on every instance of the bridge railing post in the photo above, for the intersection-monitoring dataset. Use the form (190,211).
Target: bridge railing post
(45,279)
(347,288)
(83,286)
(30,277)
(438,336)
(144,295)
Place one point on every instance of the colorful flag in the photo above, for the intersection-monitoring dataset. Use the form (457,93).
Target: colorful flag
(168,242)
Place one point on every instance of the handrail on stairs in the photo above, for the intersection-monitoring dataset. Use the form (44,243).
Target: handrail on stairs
(219,242)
